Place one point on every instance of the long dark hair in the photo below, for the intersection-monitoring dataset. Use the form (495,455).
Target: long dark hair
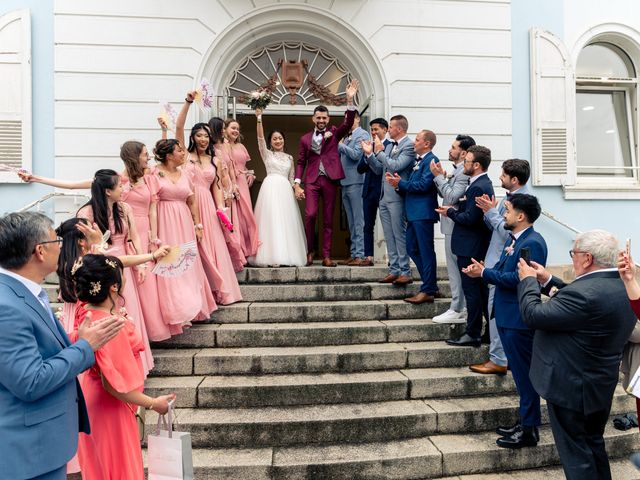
(192,139)
(270,136)
(216,125)
(130,154)
(69,253)
(105,179)
(95,275)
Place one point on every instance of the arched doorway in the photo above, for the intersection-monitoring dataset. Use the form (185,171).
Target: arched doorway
(250,54)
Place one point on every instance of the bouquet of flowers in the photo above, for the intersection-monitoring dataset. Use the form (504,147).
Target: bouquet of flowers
(259,99)
(204,96)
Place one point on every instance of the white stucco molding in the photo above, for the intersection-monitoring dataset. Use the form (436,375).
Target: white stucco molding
(303,23)
(624,36)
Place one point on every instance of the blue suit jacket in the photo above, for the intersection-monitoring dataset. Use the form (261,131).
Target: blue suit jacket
(372,185)
(41,404)
(420,192)
(504,275)
(350,154)
(470,237)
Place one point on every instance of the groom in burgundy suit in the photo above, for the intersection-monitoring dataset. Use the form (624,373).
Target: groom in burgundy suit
(320,168)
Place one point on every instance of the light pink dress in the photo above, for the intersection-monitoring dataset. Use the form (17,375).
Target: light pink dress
(139,199)
(246,219)
(213,247)
(187,297)
(129,293)
(234,239)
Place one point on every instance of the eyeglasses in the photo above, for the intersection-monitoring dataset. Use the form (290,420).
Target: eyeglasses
(573,252)
(57,240)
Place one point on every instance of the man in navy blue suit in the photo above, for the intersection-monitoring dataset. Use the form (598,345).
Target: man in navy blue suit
(470,239)
(522,210)
(371,189)
(420,202)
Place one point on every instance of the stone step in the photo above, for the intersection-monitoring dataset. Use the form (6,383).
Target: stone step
(319,292)
(353,423)
(309,389)
(309,334)
(469,457)
(317,274)
(322,359)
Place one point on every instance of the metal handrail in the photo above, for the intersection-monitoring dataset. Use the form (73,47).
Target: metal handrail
(551,216)
(48,196)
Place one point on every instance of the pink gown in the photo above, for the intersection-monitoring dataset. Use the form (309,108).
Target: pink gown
(246,219)
(112,450)
(139,199)
(213,247)
(234,239)
(187,297)
(129,293)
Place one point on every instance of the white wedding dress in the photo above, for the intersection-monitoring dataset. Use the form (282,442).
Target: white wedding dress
(277,215)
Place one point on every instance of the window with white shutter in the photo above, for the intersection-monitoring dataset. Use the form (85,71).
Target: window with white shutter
(15,94)
(552,110)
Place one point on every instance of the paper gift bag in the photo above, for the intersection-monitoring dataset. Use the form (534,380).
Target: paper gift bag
(169,454)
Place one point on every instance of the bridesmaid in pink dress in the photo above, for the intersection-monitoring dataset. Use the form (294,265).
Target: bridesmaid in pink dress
(187,297)
(230,192)
(113,387)
(202,167)
(244,179)
(106,209)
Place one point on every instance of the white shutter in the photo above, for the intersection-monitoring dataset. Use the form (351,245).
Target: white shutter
(15,93)
(553,99)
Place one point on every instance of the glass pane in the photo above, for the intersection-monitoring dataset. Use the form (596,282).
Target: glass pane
(604,60)
(603,141)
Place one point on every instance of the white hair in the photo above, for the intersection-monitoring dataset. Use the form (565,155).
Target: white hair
(602,246)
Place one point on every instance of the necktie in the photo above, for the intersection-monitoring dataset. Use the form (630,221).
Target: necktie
(44,300)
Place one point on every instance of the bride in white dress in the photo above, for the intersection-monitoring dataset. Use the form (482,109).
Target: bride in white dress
(277,214)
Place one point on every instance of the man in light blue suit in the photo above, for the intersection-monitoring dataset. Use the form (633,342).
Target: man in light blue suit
(398,157)
(514,178)
(40,399)
(350,150)
(420,203)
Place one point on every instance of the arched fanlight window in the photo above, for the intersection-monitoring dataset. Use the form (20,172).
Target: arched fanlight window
(606,88)
(294,74)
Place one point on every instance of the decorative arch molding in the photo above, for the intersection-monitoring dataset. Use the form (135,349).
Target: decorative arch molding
(299,23)
(621,35)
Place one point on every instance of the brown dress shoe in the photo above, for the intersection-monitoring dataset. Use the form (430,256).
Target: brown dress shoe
(327,262)
(356,262)
(419,298)
(388,279)
(488,368)
(310,258)
(402,280)
(347,261)
(366,262)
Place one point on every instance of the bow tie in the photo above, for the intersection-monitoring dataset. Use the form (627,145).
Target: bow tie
(319,132)
(509,195)
(394,143)
(418,158)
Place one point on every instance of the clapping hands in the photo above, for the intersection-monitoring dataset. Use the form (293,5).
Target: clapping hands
(486,203)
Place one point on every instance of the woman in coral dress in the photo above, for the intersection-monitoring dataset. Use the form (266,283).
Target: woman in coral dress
(106,209)
(203,168)
(244,179)
(113,387)
(188,296)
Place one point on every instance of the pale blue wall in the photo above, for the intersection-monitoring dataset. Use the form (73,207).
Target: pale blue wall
(13,196)
(616,216)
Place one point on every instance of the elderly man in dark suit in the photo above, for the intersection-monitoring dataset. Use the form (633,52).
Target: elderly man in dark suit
(580,334)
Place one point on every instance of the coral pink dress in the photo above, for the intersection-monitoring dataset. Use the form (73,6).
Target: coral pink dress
(112,450)
(234,239)
(246,219)
(129,292)
(139,199)
(213,247)
(187,297)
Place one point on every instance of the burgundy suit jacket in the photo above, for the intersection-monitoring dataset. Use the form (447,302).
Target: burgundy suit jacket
(328,153)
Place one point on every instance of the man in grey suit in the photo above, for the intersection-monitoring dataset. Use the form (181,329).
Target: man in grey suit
(350,150)
(579,337)
(398,157)
(514,178)
(451,189)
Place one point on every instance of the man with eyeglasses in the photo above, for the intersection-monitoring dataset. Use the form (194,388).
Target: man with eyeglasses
(40,399)
(577,348)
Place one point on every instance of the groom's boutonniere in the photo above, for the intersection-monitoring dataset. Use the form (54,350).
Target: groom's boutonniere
(416,166)
(509,250)
(327,135)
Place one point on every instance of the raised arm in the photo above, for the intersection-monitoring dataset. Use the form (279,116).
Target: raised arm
(262,144)
(345,126)
(182,117)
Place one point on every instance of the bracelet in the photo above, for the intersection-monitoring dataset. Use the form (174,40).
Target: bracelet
(259,118)
(198,226)
(164,129)
(153,257)
(150,407)
(187,100)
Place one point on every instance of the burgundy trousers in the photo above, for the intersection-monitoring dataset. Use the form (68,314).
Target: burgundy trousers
(326,189)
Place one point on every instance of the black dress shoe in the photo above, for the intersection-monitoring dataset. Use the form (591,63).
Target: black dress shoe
(464,341)
(524,437)
(508,431)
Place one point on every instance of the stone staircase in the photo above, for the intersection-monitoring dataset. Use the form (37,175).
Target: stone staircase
(325,374)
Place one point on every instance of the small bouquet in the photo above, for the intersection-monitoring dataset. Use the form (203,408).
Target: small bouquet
(204,96)
(259,99)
